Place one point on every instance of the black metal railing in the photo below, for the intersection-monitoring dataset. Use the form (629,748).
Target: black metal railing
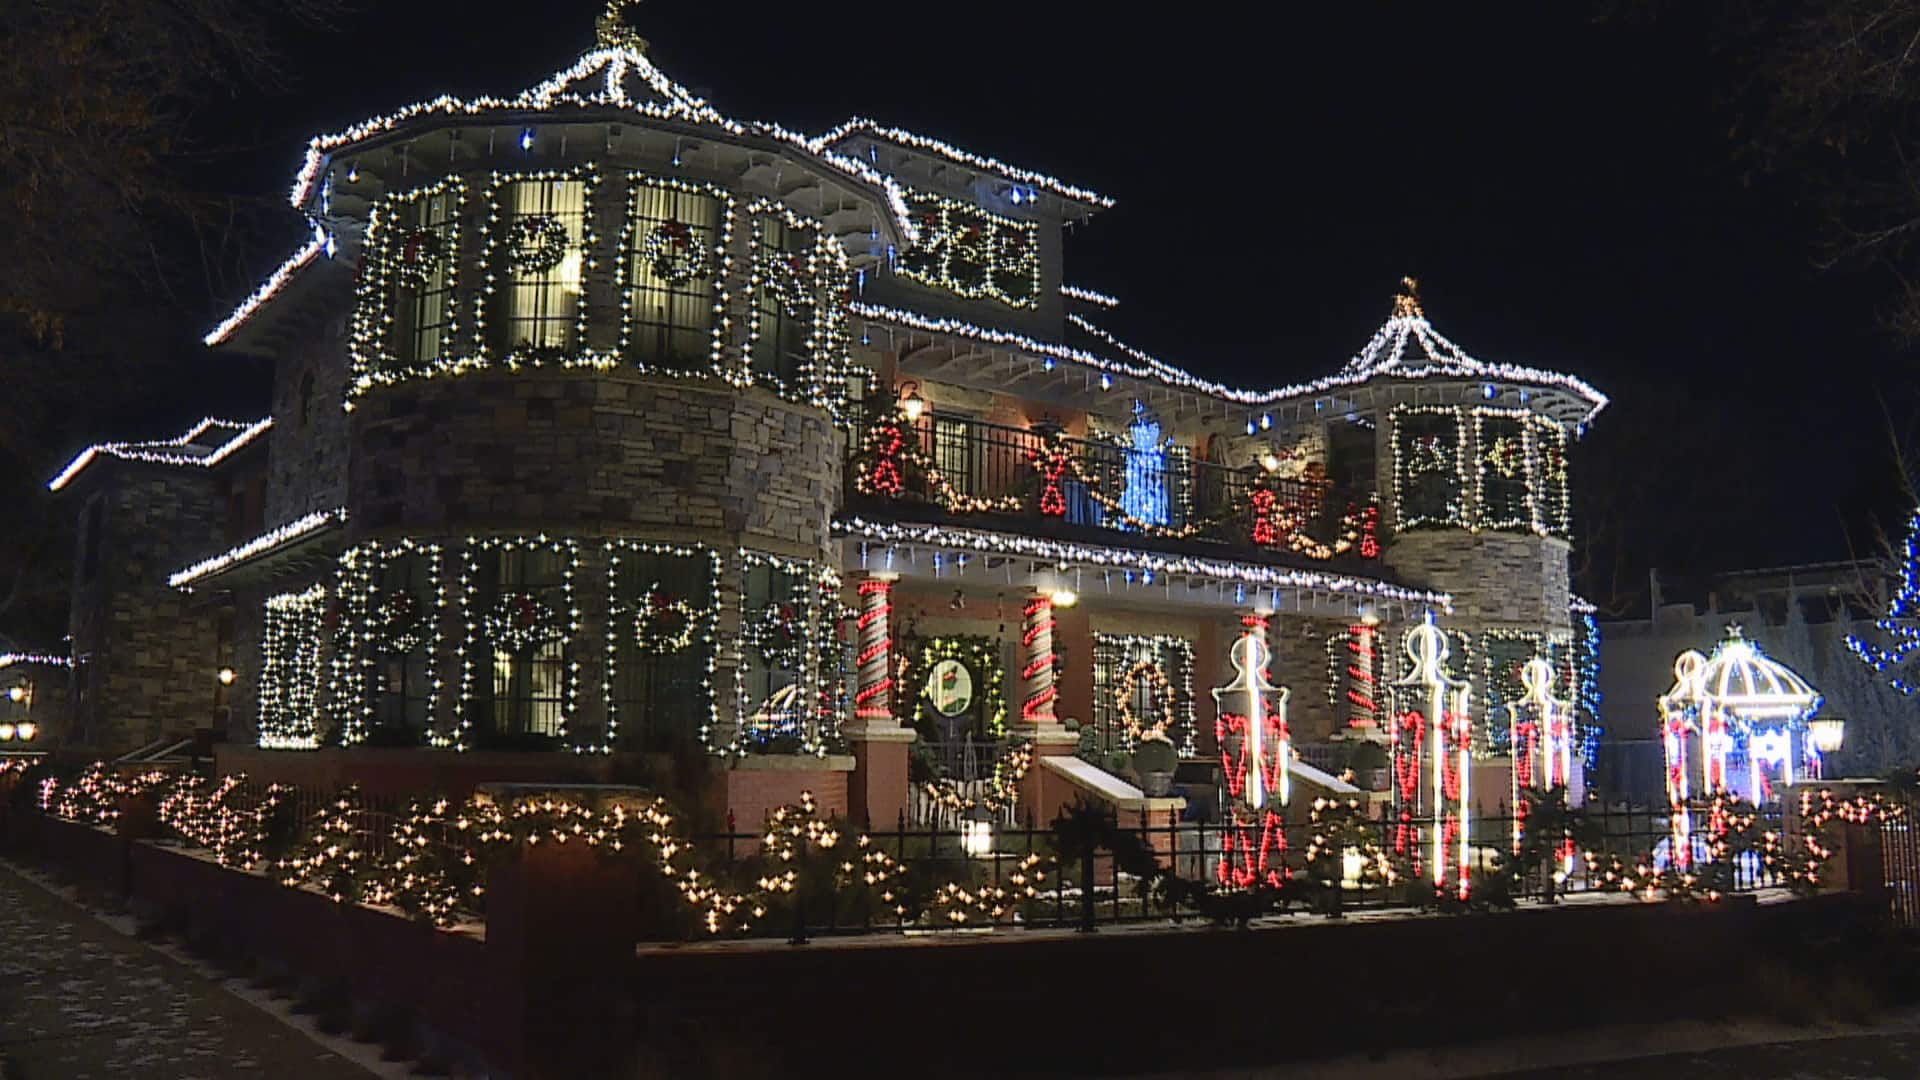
(980,468)
(1085,893)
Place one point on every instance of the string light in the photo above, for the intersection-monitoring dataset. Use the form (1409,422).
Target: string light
(171,451)
(1175,706)
(1088,296)
(297,529)
(862,126)
(706,618)
(971,252)
(1899,624)
(290,670)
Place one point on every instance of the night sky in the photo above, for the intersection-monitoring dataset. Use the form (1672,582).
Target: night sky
(1563,188)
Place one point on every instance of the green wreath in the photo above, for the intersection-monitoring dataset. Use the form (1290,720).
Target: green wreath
(776,634)
(520,622)
(663,625)
(673,253)
(415,257)
(784,274)
(537,244)
(399,622)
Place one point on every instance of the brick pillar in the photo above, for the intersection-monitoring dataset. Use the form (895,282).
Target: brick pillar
(562,920)
(877,790)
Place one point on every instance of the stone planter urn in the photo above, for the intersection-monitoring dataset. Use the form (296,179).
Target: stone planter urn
(1154,761)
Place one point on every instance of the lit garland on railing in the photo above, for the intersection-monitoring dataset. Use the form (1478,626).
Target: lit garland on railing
(95,796)
(291,671)
(1001,793)
(212,819)
(1153,566)
(168,452)
(285,534)
(890,452)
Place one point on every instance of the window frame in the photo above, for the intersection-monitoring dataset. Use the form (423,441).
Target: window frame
(494,328)
(377,326)
(629,264)
(628,575)
(480,697)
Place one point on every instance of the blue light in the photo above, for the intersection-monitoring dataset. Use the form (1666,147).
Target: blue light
(1490,392)
(1145,496)
(1266,421)
(1046,364)
(526,139)
(1252,427)
(1106,381)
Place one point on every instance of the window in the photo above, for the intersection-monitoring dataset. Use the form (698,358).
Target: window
(969,251)
(520,652)
(538,257)
(777,626)
(412,268)
(290,669)
(1427,467)
(662,648)
(676,240)
(953,449)
(786,301)
(1550,479)
(1140,684)
(403,633)
(1503,447)
(1504,653)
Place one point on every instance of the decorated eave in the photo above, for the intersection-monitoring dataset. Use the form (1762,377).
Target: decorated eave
(956,556)
(298,547)
(204,445)
(1406,361)
(612,101)
(917,157)
(8,660)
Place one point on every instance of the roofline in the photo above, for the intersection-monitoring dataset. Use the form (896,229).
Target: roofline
(297,529)
(859,124)
(150,452)
(276,281)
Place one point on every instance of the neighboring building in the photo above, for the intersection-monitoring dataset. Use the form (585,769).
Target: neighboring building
(606,423)
(1801,615)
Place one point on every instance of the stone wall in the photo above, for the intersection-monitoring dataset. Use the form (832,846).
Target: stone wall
(1503,579)
(584,453)
(147,653)
(307,445)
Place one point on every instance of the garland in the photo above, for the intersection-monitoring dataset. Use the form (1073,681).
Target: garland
(1002,790)
(663,625)
(672,254)
(886,454)
(536,244)
(521,622)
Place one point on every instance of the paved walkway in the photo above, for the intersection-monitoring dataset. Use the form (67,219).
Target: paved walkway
(79,1000)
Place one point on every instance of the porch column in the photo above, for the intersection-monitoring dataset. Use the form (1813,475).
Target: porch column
(877,790)
(1042,795)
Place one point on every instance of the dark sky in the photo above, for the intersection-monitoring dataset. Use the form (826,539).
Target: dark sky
(1564,189)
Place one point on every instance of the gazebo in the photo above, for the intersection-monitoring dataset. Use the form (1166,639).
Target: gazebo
(1737,699)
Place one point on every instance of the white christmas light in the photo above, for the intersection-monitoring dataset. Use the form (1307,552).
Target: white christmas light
(1088,296)
(285,534)
(861,125)
(168,452)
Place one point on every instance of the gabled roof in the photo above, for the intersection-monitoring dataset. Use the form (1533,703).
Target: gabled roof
(860,125)
(206,444)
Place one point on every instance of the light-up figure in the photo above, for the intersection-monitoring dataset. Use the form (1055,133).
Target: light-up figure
(1435,739)
(1145,497)
(1255,750)
(1540,733)
(1680,710)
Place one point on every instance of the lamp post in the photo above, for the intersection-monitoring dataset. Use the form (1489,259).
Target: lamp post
(1827,733)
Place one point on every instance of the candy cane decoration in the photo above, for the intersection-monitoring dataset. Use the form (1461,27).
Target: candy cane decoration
(1450,735)
(874,698)
(1036,637)
(1251,728)
(1679,717)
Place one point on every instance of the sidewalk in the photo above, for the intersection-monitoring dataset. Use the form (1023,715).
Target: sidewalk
(80,1000)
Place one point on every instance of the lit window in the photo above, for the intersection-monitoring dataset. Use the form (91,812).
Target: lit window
(539,266)
(675,242)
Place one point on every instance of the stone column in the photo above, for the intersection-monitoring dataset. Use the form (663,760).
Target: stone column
(877,790)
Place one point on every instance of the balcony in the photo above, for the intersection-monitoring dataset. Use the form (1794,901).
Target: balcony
(1043,483)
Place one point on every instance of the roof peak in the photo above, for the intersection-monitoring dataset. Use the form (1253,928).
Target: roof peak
(1406,303)
(618,27)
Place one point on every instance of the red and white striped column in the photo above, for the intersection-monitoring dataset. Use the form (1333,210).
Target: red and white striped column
(1036,663)
(873,697)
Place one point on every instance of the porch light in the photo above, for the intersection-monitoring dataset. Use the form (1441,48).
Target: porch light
(1270,461)
(1828,733)
(1063,598)
(6,732)
(27,730)
(1352,865)
(17,694)
(911,402)
(226,676)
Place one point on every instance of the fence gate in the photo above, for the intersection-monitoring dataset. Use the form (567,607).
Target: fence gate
(1900,864)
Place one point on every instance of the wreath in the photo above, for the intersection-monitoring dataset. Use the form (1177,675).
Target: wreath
(416,257)
(785,276)
(663,625)
(520,622)
(1163,696)
(537,244)
(776,635)
(1506,456)
(672,253)
(399,622)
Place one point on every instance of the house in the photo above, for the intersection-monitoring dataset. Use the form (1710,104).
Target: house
(611,433)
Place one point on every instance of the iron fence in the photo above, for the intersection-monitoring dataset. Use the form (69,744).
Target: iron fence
(1086,892)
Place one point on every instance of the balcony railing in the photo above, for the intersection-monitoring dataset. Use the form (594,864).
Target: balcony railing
(965,468)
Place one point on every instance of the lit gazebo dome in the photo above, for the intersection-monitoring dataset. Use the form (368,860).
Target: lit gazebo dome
(1740,679)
